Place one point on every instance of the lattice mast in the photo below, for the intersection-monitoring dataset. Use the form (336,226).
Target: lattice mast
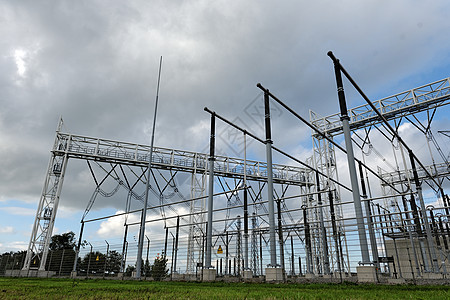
(324,157)
(48,205)
(196,218)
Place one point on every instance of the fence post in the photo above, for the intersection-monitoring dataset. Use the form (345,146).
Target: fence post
(1,261)
(50,262)
(61,263)
(173,253)
(6,264)
(106,258)
(147,263)
(89,261)
(14,263)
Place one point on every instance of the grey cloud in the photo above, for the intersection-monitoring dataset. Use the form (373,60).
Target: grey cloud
(95,63)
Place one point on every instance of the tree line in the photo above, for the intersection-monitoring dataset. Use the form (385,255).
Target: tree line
(61,257)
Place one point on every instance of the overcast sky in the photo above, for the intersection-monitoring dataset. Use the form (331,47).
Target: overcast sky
(95,63)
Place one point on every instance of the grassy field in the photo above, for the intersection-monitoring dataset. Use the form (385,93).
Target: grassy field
(34,288)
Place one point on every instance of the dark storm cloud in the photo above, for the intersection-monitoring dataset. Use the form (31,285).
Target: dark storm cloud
(95,63)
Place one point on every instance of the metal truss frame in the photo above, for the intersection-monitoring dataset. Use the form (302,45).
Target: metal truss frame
(123,153)
(398,106)
(419,99)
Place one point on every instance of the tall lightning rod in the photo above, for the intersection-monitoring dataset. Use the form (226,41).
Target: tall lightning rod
(147,185)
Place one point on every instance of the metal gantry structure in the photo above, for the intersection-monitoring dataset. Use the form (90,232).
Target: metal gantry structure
(309,199)
(123,153)
(427,98)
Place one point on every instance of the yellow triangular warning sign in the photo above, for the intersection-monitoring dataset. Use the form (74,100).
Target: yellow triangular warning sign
(219,250)
(98,258)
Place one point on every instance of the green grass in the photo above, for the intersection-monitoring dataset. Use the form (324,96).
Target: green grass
(36,288)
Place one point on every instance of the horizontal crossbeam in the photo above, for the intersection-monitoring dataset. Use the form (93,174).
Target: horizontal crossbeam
(109,151)
(419,99)
(398,177)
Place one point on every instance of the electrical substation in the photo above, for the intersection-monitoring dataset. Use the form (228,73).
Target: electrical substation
(335,216)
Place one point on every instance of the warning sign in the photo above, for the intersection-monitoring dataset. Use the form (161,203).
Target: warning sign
(219,250)
(98,258)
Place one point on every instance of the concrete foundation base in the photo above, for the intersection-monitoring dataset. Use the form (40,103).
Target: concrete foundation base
(190,277)
(12,273)
(209,275)
(46,274)
(247,274)
(177,277)
(309,275)
(339,275)
(73,274)
(367,274)
(396,281)
(28,273)
(274,274)
(431,276)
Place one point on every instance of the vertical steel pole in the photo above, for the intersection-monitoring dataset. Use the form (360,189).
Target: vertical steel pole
(323,231)
(292,257)
(226,254)
(176,245)
(351,163)
(147,185)
(271,204)
(165,242)
(373,241)
(280,235)
(125,256)
(147,263)
(122,265)
(173,254)
(77,253)
(89,261)
(245,231)
(307,242)
(300,272)
(210,193)
(261,253)
(238,240)
(246,267)
(106,258)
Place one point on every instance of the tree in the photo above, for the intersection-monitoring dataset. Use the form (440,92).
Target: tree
(146,269)
(62,253)
(11,261)
(114,261)
(159,268)
(63,241)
